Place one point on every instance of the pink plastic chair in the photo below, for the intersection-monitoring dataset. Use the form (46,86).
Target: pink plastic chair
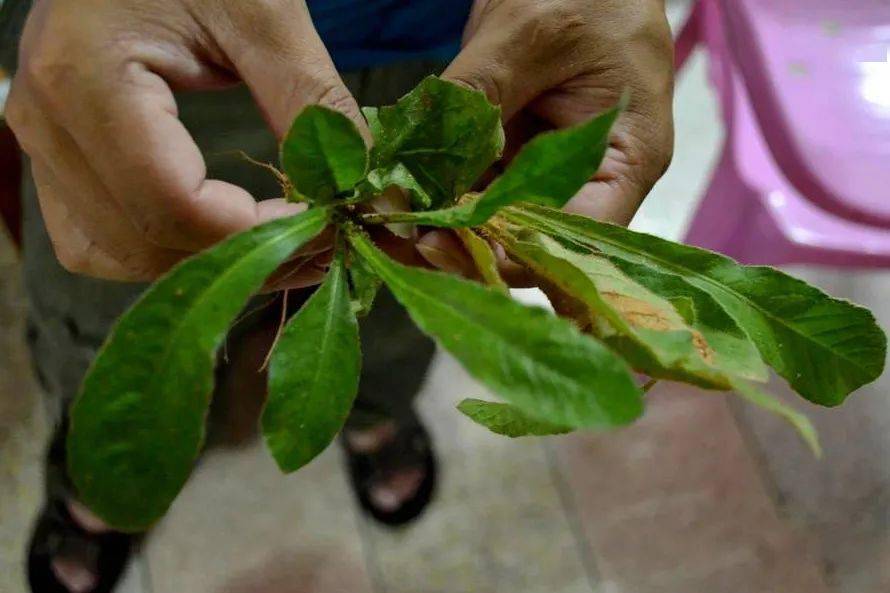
(804,89)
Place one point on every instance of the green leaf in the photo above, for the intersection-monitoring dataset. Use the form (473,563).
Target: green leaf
(685,306)
(400,176)
(444,134)
(372,116)
(138,423)
(549,170)
(531,358)
(734,352)
(799,421)
(507,420)
(323,154)
(643,327)
(364,285)
(826,348)
(483,256)
(313,375)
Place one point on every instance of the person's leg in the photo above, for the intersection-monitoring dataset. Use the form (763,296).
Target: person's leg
(68,319)
(391,462)
(395,353)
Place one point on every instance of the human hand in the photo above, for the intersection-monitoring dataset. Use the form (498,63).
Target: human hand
(558,63)
(121,183)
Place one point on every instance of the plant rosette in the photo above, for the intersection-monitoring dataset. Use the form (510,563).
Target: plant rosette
(639,304)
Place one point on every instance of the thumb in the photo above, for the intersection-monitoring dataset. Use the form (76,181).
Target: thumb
(497,61)
(275,49)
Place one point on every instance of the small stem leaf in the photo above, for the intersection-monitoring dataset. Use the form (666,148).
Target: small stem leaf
(826,348)
(484,258)
(768,402)
(314,374)
(507,420)
(552,167)
(364,285)
(372,117)
(323,154)
(459,216)
(380,179)
(138,423)
(641,325)
(445,135)
(549,170)
(531,358)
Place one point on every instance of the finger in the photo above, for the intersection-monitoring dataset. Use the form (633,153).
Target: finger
(514,274)
(127,126)
(67,176)
(442,250)
(615,200)
(283,60)
(89,232)
(122,115)
(515,57)
(77,248)
(640,143)
(301,272)
(640,148)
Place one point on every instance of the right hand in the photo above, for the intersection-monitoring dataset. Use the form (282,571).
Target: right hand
(121,183)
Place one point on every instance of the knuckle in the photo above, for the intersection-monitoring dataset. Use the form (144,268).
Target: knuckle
(141,266)
(551,28)
(162,229)
(17,110)
(490,78)
(268,23)
(170,225)
(72,260)
(330,92)
(50,69)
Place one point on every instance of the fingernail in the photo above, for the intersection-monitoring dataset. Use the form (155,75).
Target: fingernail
(281,210)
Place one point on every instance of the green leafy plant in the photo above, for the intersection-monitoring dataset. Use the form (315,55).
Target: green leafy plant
(637,302)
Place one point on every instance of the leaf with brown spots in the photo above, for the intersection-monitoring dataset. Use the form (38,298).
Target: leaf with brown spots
(644,327)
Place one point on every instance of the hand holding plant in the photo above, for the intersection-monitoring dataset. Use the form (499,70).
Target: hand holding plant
(639,303)
(123,187)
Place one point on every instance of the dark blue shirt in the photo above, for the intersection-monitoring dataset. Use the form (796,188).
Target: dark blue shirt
(361,33)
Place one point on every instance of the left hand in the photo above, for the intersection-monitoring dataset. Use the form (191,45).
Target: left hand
(557,63)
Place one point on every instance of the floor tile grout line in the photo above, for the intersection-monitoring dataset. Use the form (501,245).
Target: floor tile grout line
(372,568)
(573,517)
(144,572)
(758,456)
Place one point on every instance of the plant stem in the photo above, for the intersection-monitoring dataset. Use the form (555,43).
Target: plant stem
(386,217)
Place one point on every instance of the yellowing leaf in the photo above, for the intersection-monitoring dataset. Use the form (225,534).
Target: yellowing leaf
(826,348)
(641,325)
(483,257)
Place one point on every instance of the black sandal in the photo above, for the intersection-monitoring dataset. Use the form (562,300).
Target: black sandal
(410,447)
(58,535)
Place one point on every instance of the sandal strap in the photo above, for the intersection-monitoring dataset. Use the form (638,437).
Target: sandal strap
(411,447)
(408,448)
(58,535)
